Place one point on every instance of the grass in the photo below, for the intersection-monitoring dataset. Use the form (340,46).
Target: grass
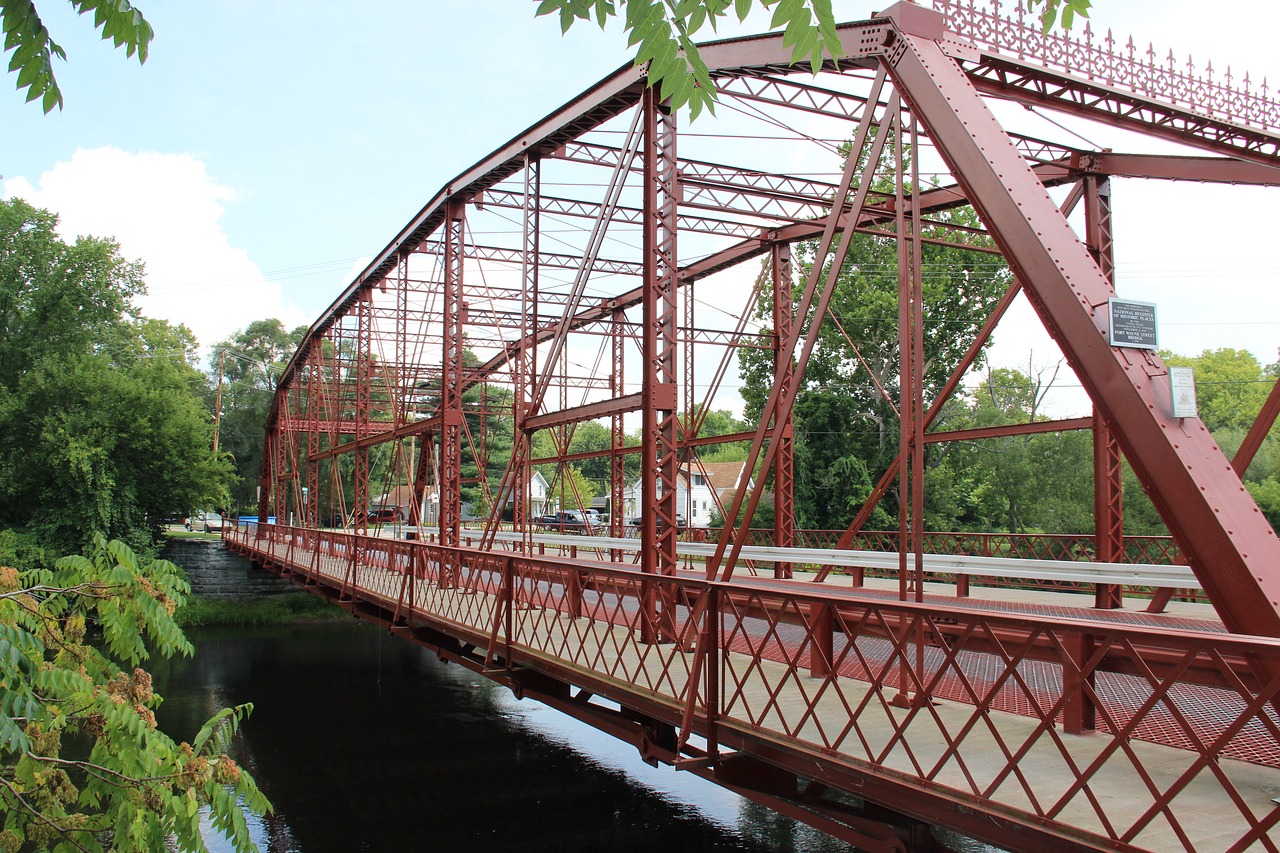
(190,534)
(274,610)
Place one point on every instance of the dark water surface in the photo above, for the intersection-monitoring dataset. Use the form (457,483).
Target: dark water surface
(366,742)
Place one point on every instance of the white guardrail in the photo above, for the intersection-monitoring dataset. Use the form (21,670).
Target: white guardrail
(1075,571)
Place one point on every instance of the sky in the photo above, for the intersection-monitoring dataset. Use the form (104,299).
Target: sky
(266,150)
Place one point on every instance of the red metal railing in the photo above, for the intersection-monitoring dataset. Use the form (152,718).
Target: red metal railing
(1105,734)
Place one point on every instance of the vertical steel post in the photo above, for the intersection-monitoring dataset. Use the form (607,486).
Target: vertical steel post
(906,364)
(521,472)
(910,399)
(314,392)
(658,390)
(1108,508)
(450,485)
(363,378)
(784,509)
(1108,480)
(363,357)
(917,373)
(617,434)
(688,454)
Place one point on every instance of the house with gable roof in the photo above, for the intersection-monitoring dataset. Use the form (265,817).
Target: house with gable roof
(697,490)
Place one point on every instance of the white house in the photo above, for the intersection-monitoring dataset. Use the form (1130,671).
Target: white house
(536,500)
(696,489)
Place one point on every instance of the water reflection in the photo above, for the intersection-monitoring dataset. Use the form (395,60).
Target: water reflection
(366,742)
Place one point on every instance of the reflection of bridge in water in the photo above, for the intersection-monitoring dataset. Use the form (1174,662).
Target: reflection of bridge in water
(554,284)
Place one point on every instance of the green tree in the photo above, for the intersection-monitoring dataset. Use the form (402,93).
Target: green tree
(1019,483)
(846,428)
(588,437)
(662,31)
(82,764)
(103,426)
(250,362)
(1231,387)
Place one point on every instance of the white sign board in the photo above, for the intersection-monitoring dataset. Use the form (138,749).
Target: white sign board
(1182,387)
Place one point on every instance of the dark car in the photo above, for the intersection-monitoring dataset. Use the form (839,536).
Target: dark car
(567,521)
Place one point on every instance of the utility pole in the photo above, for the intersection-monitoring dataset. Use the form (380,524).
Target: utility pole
(217,403)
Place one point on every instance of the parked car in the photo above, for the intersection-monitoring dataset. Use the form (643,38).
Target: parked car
(567,521)
(383,515)
(204,522)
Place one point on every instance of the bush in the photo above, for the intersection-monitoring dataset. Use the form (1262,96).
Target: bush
(276,610)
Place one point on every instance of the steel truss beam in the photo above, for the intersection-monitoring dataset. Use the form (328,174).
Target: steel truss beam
(1193,486)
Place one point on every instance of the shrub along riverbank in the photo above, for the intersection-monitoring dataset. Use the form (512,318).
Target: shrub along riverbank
(275,610)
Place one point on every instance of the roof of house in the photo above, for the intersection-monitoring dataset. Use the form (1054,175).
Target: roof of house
(399,496)
(723,476)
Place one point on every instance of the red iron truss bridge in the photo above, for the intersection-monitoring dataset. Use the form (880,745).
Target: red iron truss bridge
(605,265)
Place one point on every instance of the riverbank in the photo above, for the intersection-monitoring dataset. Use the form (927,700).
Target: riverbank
(201,612)
(228,591)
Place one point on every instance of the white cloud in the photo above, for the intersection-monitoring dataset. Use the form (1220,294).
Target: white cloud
(165,210)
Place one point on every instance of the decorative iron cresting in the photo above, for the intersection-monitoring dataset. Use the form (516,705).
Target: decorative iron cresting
(1106,62)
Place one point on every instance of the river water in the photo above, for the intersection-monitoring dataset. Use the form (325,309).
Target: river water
(366,742)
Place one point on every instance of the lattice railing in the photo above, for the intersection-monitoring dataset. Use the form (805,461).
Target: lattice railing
(1158,738)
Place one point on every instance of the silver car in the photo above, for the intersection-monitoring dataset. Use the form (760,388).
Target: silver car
(205,522)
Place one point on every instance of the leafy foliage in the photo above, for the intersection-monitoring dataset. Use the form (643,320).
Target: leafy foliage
(103,424)
(33,48)
(845,427)
(1231,388)
(662,33)
(1050,9)
(250,361)
(1020,483)
(82,764)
